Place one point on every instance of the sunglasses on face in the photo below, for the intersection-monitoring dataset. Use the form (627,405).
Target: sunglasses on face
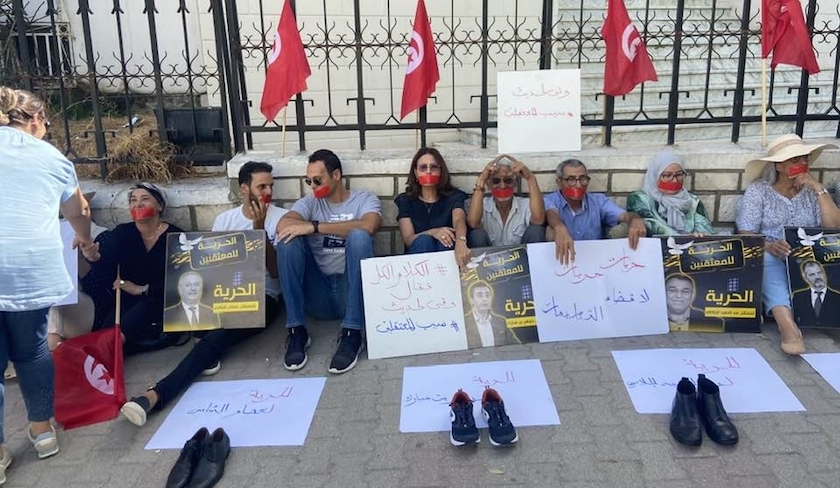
(496,181)
(317,181)
(426,168)
(679,176)
(571,180)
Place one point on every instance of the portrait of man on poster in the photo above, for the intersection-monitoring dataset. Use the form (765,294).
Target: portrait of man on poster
(189,313)
(817,305)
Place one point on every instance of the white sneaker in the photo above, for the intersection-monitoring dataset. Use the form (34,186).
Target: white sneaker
(213,370)
(5,461)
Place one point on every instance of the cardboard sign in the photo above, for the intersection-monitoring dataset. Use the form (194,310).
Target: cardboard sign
(539,111)
(609,291)
(713,284)
(215,280)
(496,291)
(412,305)
(814,276)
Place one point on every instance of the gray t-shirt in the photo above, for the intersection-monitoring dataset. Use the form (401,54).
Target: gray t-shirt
(328,250)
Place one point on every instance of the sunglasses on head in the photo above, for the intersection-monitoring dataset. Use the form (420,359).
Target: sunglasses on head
(317,180)
(508,181)
(423,168)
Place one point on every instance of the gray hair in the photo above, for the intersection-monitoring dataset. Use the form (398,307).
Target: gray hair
(573,163)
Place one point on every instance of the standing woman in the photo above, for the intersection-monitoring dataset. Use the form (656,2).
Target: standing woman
(431,211)
(138,249)
(37,181)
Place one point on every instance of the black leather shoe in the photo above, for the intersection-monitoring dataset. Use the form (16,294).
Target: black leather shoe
(685,423)
(211,466)
(183,469)
(718,426)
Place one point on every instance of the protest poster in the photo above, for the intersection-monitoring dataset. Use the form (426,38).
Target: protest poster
(214,280)
(814,276)
(412,305)
(539,111)
(71,262)
(609,290)
(713,283)
(496,291)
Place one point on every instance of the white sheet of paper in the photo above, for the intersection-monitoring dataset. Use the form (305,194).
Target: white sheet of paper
(538,111)
(609,291)
(252,412)
(747,383)
(413,305)
(827,365)
(428,390)
(71,261)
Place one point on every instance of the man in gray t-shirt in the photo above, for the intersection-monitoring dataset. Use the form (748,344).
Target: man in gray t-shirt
(320,245)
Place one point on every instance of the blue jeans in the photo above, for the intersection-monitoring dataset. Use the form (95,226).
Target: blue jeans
(307,289)
(23,339)
(424,243)
(480,238)
(775,288)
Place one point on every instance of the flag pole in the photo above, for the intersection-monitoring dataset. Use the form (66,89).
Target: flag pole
(763,101)
(119,293)
(417,132)
(283,143)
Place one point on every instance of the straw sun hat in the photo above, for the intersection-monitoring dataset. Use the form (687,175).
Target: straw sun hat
(781,149)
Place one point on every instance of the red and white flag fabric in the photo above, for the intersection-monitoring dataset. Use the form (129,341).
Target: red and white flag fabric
(421,72)
(784,33)
(627,62)
(288,68)
(89,383)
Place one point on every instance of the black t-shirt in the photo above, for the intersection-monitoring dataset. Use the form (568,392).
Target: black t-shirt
(425,216)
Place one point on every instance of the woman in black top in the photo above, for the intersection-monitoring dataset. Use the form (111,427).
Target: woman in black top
(139,250)
(431,211)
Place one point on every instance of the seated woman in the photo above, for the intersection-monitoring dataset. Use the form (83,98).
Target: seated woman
(666,207)
(431,211)
(138,249)
(784,194)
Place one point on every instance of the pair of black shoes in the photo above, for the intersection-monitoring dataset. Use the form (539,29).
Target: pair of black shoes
(202,460)
(701,405)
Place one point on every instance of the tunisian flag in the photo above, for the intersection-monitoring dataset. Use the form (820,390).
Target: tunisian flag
(627,61)
(89,384)
(421,72)
(288,68)
(783,31)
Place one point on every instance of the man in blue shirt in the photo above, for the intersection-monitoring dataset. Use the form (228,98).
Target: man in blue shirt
(573,214)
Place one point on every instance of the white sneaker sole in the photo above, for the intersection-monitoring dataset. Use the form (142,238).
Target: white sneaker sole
(296,367)
(351,365)
(211,371)
(459,443)
(502,444)
(134,413)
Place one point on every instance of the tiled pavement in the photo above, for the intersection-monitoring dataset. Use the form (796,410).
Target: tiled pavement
(354,439)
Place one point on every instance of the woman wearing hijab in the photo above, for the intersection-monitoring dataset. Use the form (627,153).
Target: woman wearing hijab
(784,194)
(665,205)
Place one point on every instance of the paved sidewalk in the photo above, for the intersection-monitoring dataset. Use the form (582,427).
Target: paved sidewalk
(354,440)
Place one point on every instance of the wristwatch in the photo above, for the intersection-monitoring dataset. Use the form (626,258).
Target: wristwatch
(824,191)
(462,238)
(315,226)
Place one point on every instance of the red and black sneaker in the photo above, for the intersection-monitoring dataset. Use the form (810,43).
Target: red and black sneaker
(463,430)
(502,431)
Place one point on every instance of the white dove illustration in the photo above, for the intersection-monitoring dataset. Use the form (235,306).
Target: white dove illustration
(475,260)
(807,240)
(677,249)
(186,244)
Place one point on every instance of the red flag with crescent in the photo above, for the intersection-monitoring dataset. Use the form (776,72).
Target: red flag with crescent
(627,62)
(421,72)
(287,69)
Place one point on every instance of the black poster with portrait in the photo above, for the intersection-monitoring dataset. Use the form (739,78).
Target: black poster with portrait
(814,276)
(713,283)
(498,299)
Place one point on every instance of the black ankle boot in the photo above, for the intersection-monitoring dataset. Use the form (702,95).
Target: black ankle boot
(718,426)
(685,423)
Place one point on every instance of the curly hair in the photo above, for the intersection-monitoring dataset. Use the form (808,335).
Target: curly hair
(17,107)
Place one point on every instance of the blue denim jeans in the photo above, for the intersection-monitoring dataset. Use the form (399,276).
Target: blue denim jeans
(307,290)
(425,243)
(775,287)
(23,339)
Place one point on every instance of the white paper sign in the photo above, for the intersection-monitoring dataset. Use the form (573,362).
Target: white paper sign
(827,365)
(427,392)
(747,383)
(609,291)
(71,262)
(252,412)
(539,111)
(413,305)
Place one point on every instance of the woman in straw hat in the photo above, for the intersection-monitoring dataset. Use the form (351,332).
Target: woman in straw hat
(783,193)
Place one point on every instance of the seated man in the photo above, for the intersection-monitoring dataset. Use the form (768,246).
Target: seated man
(503,219)
(320,246)
(573,214)
(256,212)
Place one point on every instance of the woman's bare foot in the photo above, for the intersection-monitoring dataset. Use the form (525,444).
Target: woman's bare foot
(792,342)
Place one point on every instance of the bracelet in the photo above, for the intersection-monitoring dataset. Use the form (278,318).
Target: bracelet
(462,238)
(822,192)
(478,188)
(315,226)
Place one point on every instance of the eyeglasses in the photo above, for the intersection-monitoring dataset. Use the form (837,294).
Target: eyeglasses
(571,180)
(496,181)
(426,168)
(43,117)
(317,180)
(679,176)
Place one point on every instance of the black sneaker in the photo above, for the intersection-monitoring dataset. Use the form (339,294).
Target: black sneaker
(296,344)
(463,430)
(350,344)
(136,410)
(502,431)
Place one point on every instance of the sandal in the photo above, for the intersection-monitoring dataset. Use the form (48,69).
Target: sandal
(46,443)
